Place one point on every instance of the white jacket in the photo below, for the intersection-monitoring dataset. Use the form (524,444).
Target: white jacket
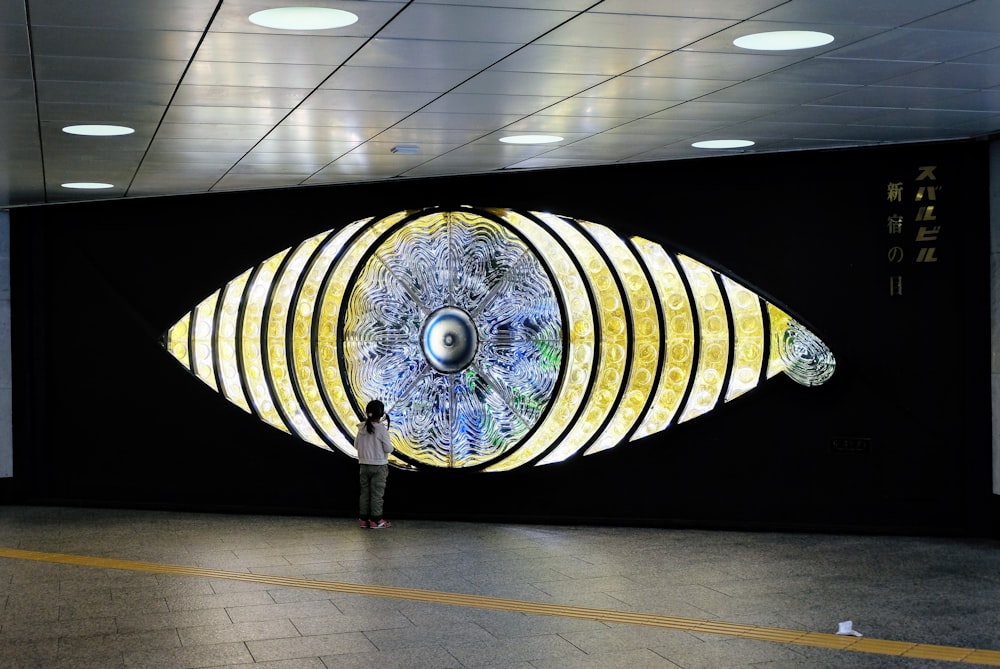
(373,448)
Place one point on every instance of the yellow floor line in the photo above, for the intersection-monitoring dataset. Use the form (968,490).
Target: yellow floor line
(755,632)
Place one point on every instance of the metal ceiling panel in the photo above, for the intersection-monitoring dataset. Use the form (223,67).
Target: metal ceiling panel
(84,68)
(232,16)
(722,113)
(656,88)
(415,79)
(886,13)
(367,100)
(622,31)
(498,82)
(721,9)
(950,75)
(570,5)
(620,108)
(764,92)
(464,22)
(276,75)
(977,16)
(435,54)
(288,132)
(127,14)
(551,121)
(210,131)
(577,59)
(983,101)
(339,118)
(220,103)
(714,66)
(931,46)
(74,42)
(222,47)
(97,93)
(893,97)
(839,71)
(519,105)
(235,96)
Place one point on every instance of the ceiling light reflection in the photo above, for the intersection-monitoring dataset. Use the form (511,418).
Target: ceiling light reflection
(783,40)
(303,18)
(531,139)
(87,185)
(98,130)
(723,144)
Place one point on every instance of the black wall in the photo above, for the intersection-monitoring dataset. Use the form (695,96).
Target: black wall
(898,441)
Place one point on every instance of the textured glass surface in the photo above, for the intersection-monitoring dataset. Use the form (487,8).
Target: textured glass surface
(203,359)
(226,341)
(577,363)
(678,324)
(496,338)
(303,340)
(482,268)
(255,375)
(331,301)
(177,339)
(798,352)
(612,344)
(713,329)
(277,350)
(748,339)
(645,343)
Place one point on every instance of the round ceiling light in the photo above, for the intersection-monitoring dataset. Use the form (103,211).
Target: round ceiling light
(87,185)
(98,130)
(723,144)
(531,139)
(783,40)
(303,18)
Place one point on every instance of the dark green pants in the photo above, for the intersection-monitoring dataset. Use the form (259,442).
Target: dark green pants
(373,479)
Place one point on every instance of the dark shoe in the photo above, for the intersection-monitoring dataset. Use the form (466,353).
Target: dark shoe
(362,523)
(378,525)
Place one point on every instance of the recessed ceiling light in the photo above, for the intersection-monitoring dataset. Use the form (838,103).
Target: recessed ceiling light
(303,18)
(98,130)
(87,185)
(783,40)
(405,148)
(531,139)
(723,144)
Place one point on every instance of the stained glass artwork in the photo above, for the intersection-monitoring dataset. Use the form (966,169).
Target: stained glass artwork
(495,338)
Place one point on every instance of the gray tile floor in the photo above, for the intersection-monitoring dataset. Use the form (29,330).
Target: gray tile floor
(921,590)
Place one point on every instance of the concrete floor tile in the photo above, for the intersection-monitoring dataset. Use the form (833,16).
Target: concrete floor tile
(52,615)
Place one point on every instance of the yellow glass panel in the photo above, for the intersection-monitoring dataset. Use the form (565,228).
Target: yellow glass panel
(302,339)
(225,341)
(579,358)
(254,372)
(748,342)
(202,360)
(177,340)
(678,319)
(330,310)
(613,345)
(645,338)
(713,337)
(277,351)
(780,322)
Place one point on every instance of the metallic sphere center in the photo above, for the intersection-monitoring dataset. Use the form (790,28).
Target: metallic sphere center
(448,339)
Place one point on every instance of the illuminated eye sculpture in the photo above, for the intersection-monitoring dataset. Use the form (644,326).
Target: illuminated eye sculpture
(495,338)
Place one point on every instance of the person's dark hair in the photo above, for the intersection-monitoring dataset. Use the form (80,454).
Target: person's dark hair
(374,412)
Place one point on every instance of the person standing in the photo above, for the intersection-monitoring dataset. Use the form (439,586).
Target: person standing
(374,447)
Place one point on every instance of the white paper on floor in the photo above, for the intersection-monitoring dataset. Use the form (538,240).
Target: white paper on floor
(847,628)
